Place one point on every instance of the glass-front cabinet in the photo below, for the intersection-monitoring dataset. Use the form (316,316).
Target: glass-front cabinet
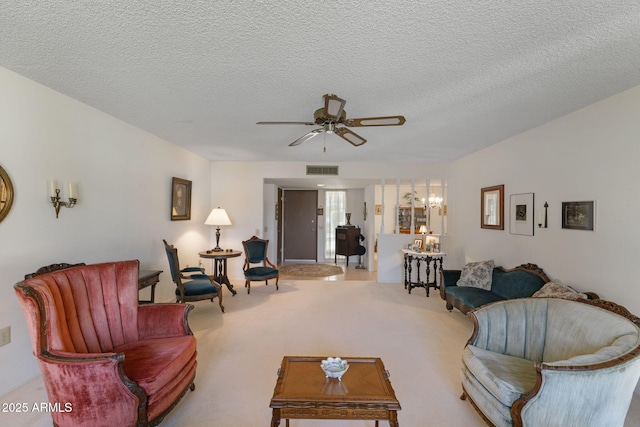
(404,219)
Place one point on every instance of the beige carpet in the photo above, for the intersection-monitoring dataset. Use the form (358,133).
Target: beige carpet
(298,271)
(239,353)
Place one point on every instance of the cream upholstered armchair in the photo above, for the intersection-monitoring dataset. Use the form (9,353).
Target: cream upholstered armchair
(552,362)
(108,360)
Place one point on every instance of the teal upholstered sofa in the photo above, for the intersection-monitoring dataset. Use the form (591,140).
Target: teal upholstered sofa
(552,362)
(519,282)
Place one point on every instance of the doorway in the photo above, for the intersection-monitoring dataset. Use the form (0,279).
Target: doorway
(300,225)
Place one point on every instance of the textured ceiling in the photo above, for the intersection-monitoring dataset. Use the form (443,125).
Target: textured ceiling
(465,74)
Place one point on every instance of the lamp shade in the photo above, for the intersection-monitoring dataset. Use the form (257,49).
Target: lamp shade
(423,229)
(218,216)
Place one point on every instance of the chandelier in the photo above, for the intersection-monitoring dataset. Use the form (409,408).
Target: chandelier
(434,201)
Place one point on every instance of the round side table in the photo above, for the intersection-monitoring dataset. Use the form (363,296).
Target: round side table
(220,266)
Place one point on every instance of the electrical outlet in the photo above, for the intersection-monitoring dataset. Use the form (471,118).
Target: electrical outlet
(5,336)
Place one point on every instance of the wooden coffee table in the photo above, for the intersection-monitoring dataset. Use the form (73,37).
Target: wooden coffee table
(303,392)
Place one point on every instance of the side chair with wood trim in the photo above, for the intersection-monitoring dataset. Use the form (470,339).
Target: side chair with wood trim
(191,282)
(255,250)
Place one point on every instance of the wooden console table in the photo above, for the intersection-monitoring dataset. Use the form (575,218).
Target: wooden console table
(426,259)
(148,278)
(303,392)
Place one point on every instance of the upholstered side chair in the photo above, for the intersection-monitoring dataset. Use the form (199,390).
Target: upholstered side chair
(111,361)
(255,250)
(191,282)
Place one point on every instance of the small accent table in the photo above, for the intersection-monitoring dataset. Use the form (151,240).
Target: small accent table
(220,266)
(426,258)
(303,392)
(148,278)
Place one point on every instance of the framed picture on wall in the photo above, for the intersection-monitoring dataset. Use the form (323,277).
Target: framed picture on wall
(521,217)
(492,207)
(579,215)
(180,199)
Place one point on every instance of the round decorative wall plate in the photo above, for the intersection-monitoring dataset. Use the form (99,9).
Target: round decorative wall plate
(6,193)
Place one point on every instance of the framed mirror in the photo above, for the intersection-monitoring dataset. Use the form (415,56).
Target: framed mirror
(492,207)
(6,193)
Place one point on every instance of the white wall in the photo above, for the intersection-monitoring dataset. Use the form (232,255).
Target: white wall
(124,185)
(591,154)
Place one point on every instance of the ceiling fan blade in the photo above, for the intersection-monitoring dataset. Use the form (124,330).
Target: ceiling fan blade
(333,106)
(285,123)
(306,137)
(376,121)
(350,136)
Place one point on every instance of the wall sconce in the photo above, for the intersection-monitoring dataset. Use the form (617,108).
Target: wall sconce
(54,194)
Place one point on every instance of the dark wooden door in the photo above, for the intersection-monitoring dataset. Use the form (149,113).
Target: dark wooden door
(300,227)
(279,225)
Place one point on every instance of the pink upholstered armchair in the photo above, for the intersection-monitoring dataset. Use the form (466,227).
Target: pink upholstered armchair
(105,359)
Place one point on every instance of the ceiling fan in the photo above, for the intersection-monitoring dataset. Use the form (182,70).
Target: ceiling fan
(332,115)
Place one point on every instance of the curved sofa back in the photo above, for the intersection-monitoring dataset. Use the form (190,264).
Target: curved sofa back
(515,283)
(579,333)
(552,330)
(87,309)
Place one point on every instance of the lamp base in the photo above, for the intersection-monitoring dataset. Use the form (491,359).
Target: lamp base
(217,248)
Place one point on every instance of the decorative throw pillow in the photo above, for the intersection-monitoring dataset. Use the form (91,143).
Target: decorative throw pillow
(477,275)
(556,289)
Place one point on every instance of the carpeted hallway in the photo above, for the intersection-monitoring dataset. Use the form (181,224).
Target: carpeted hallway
(240,352)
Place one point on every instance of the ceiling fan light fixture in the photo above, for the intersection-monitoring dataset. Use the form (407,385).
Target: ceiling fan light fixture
(333,106)
(329,127)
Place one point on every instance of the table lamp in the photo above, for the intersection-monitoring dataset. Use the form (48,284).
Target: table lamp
(423,231)
(218,217)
